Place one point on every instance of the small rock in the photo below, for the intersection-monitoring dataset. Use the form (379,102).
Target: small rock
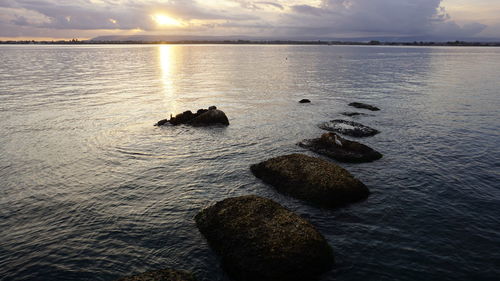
(364,105)
(311,179)
(161,275)
(260,240)
(304,101)
(349,128)
(352,114)
(340,149)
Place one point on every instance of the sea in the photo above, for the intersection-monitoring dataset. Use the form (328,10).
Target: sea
(90,189)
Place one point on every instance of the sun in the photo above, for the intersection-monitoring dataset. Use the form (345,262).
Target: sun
(164,20)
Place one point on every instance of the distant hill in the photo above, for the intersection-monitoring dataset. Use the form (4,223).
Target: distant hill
(170,38)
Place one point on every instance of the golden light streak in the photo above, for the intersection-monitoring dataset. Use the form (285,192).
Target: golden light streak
(167,57)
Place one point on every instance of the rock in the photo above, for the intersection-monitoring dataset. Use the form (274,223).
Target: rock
(202,117)
(305,101)
(342,150)
(211,117)
(349,128)
(161,275)
(352,114)
(364,105)
(260,240)
(311,179)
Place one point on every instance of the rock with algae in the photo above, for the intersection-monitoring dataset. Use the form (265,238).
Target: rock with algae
(350,128)
(340,149)
(311,179)
(260,240)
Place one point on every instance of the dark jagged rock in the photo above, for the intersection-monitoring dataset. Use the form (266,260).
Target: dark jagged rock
(202,117)
(340,149)
(161,275)
(349,128)
(304,101)
(364,105)
(260,240)
(352,114)
(212,116)
(311,179)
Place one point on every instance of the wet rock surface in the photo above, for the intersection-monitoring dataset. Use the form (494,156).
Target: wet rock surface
(349,128)
(311,179)
(364,106)
(161,275)
(340,149)
(202,117)
(260,240)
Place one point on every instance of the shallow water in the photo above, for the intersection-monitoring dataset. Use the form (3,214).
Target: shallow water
(91,190)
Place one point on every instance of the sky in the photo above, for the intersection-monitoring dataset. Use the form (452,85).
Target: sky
(311,19)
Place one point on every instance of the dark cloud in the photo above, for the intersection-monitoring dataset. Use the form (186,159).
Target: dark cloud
(378,17)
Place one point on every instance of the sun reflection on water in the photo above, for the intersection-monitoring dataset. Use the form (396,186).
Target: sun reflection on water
(167,57)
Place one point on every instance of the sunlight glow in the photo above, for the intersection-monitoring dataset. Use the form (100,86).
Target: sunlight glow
(164,20)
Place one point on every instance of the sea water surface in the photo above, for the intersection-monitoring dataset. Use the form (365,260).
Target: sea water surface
(91,190)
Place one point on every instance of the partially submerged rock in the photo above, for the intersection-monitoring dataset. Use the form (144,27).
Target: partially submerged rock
(304,101)
(203,117)
(311,179)
(161,275)
(349,128)
(260,240)
(352,114)
(338,148)
(364,105)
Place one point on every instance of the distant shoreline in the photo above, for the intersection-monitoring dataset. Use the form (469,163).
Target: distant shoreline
(251,42)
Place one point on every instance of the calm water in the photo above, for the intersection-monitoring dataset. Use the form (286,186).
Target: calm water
(90,190)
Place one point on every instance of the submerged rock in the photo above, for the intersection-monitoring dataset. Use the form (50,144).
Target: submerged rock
(260,240)
(203,117)
(352,114)
(349,128)
(304,101)
(311,179)
(340,149)
(364,105)
(161,275)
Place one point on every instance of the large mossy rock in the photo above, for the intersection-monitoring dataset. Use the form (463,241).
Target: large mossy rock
(364,106)
(349,128)
(260,240)
(343,150)
(202,117)
(311,179)
(161,275)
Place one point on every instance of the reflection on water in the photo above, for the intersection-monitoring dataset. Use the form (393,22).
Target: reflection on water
(91,190)
(167,64)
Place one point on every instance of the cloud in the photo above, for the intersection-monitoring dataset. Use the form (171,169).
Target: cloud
(294,18)
(378,18)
